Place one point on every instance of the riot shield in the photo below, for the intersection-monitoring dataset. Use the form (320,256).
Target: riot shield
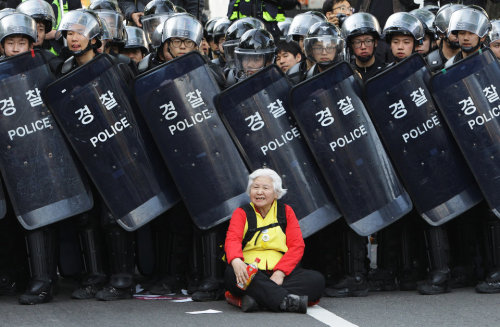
(176,100)
(467,96)
(341,136)
(41,178)
(93,107)
(3,204)
(256,113)
(420,145)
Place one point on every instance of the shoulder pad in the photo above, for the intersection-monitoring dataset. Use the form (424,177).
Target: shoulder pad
(144,64)
(122,59)
(434,59)
(68,65)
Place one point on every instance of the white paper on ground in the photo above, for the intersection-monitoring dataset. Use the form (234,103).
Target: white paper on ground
(204,311)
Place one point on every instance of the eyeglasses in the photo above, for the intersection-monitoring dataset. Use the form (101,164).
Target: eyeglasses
(356,44)
(343,9)
(319,49)
(177,43)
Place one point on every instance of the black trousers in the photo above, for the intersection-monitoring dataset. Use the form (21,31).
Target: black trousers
(270,295)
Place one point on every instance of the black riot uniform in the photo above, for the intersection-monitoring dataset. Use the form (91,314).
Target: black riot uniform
(120,244)
(436,59)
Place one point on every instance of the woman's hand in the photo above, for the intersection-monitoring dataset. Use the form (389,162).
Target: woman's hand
(278,276)
(240,270)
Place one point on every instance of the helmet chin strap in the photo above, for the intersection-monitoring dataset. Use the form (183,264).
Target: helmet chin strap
(452,45)
(365,58)
(470,50)
(82,52)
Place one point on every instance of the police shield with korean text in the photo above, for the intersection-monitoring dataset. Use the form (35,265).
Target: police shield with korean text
(176,102)
(339,132)
(256,113)
(36,160)
(93,108)
(467,95)
(423,151)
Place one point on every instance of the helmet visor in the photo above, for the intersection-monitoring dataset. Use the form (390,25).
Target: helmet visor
(324,49)
(80,22)
(248,62)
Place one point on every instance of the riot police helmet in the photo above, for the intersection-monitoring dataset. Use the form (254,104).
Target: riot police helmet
(255,50)
(104,5)
(40,11)
(84,22)
(494,34)
(324,44)
(136,38)
(432,8)
(427,19)
(255,22)
(220,29)
(179,9)
(402,23)
(183,26)
(156,7)
(233,36)
(471,20)
(156,13)
(284,26)
(442,20)
(302,22)
(360,24)
(20,24)
(209,27)
(113,28)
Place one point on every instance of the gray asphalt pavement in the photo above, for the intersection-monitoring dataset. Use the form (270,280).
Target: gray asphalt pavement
(461,307)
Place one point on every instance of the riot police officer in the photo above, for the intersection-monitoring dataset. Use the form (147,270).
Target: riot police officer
(83,42)
(324,46)
(447,44)
(255,51)
(495,37)
(362,33)
(427,20)
(471,26)
(136,46)
(219,36)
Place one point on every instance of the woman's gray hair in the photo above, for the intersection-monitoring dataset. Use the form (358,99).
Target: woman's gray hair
(278,188)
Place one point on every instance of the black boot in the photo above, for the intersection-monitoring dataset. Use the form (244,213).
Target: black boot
(294,303)
(42,253)
(384,277)
(210,289)
(121,246)
(411,257)
(248,304)
(491,284)
(438,279)
(355,258)
(93,252)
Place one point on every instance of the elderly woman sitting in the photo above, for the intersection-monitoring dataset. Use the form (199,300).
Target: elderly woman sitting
(276,239)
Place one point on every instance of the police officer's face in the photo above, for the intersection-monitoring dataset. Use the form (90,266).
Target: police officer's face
(467,39)
(179,46)
(262,192)
(204,47)
(402,46)
(252,64)
(76,41)
(40,28)
(323,52)
(135,54)
(363,46)
(221,41)
(14,45)
(286,60)
(495,47)
(425,47)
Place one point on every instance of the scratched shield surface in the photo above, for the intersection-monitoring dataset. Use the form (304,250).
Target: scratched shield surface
(176,100)
(339,132)
(92,105)
(467,95)
(419,143)
(40,174)
(256,113)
